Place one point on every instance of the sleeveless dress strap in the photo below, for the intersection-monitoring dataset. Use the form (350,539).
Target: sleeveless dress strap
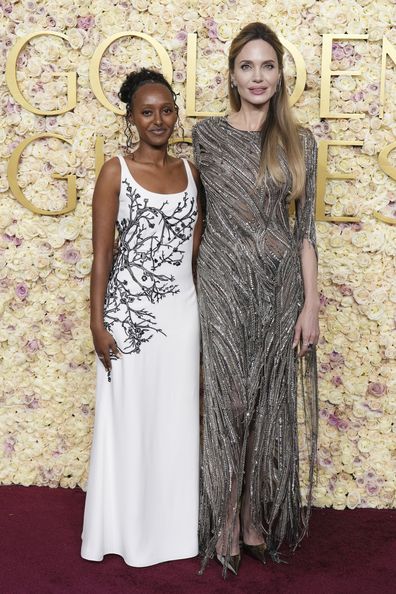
(124,166)
(190,177)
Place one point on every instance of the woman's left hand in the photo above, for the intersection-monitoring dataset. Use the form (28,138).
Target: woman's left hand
(306,332)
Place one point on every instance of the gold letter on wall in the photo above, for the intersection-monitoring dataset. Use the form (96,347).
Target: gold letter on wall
(324,175)
(12,173)
(389,170)
(383,160)
(12,83)
(301,71)
(327,73)
(98,54)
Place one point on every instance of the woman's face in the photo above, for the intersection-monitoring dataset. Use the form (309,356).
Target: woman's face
(256,72)
(154,113)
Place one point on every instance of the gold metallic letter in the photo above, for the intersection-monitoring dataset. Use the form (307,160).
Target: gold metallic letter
(12,173)
(383,160)
(389,170)
(12,83)
(387,50)
(327,73)
(324,175)
(98,54)
(301,71)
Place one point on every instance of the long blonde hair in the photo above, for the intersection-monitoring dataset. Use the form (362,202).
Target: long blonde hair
(280,127)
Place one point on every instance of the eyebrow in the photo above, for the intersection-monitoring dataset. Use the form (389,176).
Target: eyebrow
(270,61)
(167,104)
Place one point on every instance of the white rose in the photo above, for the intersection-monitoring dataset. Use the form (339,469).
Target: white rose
(83,267)
(76,38)
(69,228)
(353,499)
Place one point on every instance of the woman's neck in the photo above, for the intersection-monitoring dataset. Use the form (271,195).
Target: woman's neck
(149,155)
(249,117)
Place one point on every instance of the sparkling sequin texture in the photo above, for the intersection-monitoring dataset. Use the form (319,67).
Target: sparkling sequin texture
(250,294)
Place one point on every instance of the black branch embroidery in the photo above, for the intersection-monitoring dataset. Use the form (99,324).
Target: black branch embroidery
(149,238)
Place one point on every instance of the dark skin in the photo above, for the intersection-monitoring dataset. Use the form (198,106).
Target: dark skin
(154,115)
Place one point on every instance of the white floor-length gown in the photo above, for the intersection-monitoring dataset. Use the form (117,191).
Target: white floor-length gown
(142,497)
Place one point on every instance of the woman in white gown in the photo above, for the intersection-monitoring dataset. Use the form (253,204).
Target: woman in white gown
(142,497)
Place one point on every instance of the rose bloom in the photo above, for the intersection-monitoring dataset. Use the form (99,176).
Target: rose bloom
(83,267)
(353,499)
(374,311)
(361,295)
(390,352)
(75,38)
(86,22)
(33,345)
(339,501)
(71,255)
(376,389)
(21,291)
(140,5)
(364,445)
(321,497)
(225,31)
(68,228)
(388,495)
(372,488)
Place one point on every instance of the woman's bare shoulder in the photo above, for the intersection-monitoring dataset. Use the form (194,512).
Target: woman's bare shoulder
(111,166)
(110,172)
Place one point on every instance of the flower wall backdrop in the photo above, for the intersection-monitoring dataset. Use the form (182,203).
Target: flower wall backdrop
(48,375)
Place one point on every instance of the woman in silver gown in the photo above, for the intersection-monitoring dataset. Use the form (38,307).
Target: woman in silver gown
(259,312)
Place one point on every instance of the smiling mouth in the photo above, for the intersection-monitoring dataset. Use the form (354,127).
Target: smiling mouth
(158,131)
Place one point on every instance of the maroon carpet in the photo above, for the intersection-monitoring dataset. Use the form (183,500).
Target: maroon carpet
(352,551)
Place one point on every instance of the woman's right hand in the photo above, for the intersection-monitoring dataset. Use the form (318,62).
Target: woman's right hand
(105,346)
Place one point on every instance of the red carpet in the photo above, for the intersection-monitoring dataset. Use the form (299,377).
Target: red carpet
(347,552)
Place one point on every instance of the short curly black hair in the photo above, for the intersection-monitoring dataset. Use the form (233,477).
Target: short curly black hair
(131,84)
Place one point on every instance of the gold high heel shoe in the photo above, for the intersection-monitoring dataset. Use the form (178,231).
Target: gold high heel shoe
(256,551)
(231,564)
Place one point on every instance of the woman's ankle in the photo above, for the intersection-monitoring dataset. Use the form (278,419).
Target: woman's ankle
(252,537)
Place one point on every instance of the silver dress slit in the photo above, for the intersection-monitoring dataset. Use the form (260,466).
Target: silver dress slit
(260,400)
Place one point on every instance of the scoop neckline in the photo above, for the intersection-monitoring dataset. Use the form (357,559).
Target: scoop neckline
(182,193)
(239,129)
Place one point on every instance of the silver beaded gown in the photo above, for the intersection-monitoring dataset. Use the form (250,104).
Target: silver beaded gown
(260,400)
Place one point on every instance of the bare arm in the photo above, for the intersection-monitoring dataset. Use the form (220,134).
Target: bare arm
(310,274)
(104,215)
(307,326)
